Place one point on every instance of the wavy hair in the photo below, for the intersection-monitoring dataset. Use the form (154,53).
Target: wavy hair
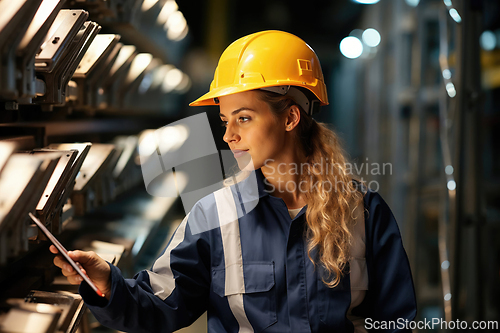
(331,194)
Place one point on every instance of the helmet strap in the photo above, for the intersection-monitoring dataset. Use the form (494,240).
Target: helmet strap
(297,95)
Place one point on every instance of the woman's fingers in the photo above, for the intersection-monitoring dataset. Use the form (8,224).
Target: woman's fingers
(53,249)
(96,268)
(65,267)
(60,262)
(74,279)
(84,257)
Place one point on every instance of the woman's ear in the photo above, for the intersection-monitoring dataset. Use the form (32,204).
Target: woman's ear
(293,117)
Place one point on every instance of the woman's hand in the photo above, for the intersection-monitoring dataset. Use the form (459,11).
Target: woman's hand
(96,268)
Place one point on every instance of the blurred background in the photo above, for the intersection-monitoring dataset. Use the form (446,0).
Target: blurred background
(414,90)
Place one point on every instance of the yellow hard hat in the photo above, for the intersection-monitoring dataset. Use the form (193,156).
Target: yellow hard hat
(266,59)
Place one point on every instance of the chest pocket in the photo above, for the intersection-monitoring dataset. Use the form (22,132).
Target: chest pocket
(259,294)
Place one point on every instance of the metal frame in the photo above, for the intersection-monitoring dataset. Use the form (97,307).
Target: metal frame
(14,22)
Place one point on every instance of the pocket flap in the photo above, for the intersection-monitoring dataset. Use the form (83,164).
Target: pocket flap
(258,277)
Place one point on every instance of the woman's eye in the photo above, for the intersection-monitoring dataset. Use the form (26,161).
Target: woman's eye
(240,120)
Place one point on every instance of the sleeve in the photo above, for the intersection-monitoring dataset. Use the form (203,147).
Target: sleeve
(390,302)
(172,295)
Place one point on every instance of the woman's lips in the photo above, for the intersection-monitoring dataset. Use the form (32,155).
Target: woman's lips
(239,153)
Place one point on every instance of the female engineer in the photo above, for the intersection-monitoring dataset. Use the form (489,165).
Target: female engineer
(319,252)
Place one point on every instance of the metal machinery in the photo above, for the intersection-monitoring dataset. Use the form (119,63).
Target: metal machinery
(79,81)
(430,108)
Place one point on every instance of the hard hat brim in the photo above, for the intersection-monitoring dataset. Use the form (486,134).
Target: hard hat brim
(208,98)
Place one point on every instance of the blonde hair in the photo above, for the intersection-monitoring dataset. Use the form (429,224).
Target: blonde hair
(329,210)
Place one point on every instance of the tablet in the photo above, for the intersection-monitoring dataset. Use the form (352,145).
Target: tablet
(78,268)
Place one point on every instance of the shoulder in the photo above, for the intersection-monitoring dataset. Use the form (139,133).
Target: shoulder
(202,214)
(213,209)
(371,199)
(378,217)
(208,204)
(238,194)
(382,230)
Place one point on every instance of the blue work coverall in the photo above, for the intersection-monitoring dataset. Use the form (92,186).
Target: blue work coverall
(251,272)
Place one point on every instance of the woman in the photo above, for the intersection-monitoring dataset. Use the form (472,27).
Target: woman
(317,252)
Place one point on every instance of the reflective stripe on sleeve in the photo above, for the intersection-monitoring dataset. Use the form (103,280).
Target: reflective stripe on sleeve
(161,277)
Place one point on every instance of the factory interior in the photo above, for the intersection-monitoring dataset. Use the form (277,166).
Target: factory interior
(413,85)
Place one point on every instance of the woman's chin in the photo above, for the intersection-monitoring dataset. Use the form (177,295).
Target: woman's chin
(245,163)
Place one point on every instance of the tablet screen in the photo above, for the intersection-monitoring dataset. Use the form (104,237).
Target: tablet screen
(64,252)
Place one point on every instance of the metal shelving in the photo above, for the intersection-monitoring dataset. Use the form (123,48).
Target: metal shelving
(422,110)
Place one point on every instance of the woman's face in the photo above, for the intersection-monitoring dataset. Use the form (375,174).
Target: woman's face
(253,133)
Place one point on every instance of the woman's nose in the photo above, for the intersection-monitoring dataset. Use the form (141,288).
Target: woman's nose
(231,134)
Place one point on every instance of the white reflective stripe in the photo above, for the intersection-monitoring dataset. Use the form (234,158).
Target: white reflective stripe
(226,207)
(358,273)
(161,277)
(230,233)
(236,304)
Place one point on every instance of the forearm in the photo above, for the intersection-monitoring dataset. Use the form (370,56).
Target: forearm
(133,306)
